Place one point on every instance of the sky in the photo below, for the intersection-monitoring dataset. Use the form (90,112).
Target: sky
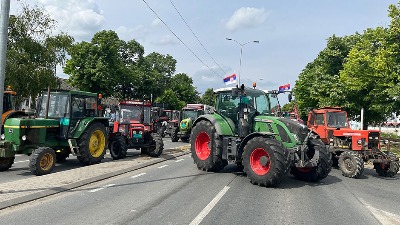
(291,33)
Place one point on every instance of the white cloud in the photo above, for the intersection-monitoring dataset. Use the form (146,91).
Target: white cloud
(156,22)
(138,33)
(79,18)
(246,17)
(166,40)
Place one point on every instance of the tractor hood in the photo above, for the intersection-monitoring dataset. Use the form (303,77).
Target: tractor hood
(350,132)
(295,127)
(186,124)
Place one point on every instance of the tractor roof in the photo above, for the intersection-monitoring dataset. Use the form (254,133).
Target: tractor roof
(231,88)
(73,92)
(135,102)
(329,109)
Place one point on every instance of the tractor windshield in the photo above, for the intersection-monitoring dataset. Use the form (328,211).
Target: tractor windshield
(58,105)
(175,115)
(192,114)
(337,119)
(128,113)
(256,100)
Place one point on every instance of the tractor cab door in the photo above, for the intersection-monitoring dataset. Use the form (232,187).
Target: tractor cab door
(320,126)
(81,107)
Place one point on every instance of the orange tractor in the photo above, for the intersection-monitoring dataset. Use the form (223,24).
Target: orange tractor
(9,106)
(351,148)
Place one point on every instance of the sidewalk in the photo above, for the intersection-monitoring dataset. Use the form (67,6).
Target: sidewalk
(25,190)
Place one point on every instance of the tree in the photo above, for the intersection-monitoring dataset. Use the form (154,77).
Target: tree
(182,84)
(33,52)
(170,97)
(208,97)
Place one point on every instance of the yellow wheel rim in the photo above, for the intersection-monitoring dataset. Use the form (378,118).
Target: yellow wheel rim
(46,162)
(97,143)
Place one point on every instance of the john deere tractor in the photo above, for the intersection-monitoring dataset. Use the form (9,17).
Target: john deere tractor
(66,122)
(243,130)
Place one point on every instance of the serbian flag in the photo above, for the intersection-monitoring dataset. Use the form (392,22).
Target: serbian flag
(230,79)
(284,88)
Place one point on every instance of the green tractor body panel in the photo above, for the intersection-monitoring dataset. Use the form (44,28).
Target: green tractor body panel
(185,126)
(223,125)
(84,123)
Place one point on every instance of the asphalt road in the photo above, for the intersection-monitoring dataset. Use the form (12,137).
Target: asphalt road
(176,192)
(20,169)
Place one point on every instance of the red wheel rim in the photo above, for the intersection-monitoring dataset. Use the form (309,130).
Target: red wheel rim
(201,146)
(304,169)
(255,162)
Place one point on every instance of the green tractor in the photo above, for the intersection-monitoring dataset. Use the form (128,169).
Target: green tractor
(244,130)
(183,129)
(66,122)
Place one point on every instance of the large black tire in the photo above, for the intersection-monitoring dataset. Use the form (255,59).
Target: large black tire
(206,147)
(118,147)
(323,167)
(42,161)
(388,170)
(174,135)
(351,164)
(157,146)
(6,163)
(265,161)
(92,144)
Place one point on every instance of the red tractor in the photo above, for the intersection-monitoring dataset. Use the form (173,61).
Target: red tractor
(351,148)
(134,128)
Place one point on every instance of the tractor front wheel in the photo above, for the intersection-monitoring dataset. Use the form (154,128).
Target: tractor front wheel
(92,144)
(6,163)
(206,147)
(174,135)
(118,147)
(42,161)
(157,145)
(388,170)
(323,167)
(265,161)
(351,164)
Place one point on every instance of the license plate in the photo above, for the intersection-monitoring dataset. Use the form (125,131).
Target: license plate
(137,136)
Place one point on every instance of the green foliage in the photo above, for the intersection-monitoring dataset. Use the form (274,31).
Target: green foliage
(171,98)
(208,97)
(33,52)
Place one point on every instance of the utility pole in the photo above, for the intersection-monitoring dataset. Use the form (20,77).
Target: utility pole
(4,14)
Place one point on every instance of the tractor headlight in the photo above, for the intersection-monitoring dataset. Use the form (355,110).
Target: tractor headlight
(134,132)
(3,137)
(23,137)
(386,141)
(140,132)
(359,142)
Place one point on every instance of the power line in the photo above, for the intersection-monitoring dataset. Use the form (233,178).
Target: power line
(197,37)
(179,38)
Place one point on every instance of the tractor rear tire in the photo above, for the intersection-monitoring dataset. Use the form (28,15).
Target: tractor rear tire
(265,161)
(157,145)
(206,147)
(324,165)
(6,163)
(118,147)
(42,161)
(388,171)
(351,164)
(92,144)
(174,135)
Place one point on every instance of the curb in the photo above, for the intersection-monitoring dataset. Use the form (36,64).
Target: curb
(62,188)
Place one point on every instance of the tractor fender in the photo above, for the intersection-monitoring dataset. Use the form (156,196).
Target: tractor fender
(255,134)
(221,124)
(86,122)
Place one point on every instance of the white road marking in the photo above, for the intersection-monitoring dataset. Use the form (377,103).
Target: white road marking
(179,160)
(162,166)
(22,161)
(382,216)
(138,175)
(208,208)
(101,188)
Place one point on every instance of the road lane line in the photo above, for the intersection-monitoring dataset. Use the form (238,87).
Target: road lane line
(208,208)
(101,188)
(179,160)
(22,161)
(138,175)
(160,167)
(382,216)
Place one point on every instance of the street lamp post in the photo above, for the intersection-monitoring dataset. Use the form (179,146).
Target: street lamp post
(241,53)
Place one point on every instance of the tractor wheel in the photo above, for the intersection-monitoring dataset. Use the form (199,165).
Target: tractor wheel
(6,163)
(92,144)
(265,161)
(42,161)
(206,147)
(351,164)
(387,170)
(157,145)
(118,147)
(323,168)
(185,138)
(174,135)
